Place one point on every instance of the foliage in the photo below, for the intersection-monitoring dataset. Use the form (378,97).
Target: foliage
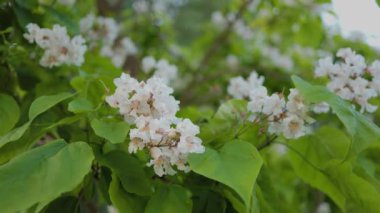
(65,147)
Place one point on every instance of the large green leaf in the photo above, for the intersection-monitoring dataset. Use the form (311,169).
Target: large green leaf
(123,201)
(43,174)
(9,113)
(237,165)
(310,155)
(320,161)
(79,105)
(234,109)
(362,130)
(113,131)
(226,122)
(130,171)
(14,135)
(169,199)
(43,103)
(39,106)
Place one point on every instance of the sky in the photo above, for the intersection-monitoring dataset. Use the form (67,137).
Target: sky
(360,16)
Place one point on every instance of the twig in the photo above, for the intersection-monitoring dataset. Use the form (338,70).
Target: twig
(267,142)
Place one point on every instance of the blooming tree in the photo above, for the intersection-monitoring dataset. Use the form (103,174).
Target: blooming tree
(185,106)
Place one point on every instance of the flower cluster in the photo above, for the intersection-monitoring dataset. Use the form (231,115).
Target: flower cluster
(59,48)
(105,31)
(120,51)
(99,29)
(162,69)
(239,26)
(241,88)
(151,108)
(351,78)
(166,7)
(277,58)
(286,117)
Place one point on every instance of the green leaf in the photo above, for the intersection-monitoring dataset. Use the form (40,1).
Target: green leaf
(43,174)
(62,17)
(130,171)
(43,103)
(361,129)
(79,105)
(320,161)
(310,156)
(361,196)
(169,199)
(9,113)
(28,4)
(115,132)
(227,165)
(235,109)
(14,135)
(123,201)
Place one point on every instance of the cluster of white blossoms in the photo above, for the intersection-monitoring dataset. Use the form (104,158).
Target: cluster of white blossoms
(120,51)
(162,69)
(351,78)
(166,7)
(287,117)
(239,26)
(59,48)
(151,108)
(105,31)
(277,58)
(241,88)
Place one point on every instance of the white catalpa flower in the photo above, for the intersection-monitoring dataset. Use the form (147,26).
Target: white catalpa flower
(293,127)
(257,97)
(273,105)
(239,26)
(167,145)
(148,64)
(151,108)
(104,30)
(322,107)
(59,48)
(119,51)
(232,61)
(241,88)
(151,99)
(286,117)
(162,69)
(349,80)
(279,60)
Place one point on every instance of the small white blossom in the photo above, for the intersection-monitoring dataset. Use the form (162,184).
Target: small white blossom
(162,69)
(119,51)
(59,48)
(273,105)
(293,126)
(322,107)
(240,88)
(348,78)
(232,61)
(102,29)
(279,60)
(148,64)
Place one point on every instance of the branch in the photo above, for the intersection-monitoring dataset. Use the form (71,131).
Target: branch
(268,142)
